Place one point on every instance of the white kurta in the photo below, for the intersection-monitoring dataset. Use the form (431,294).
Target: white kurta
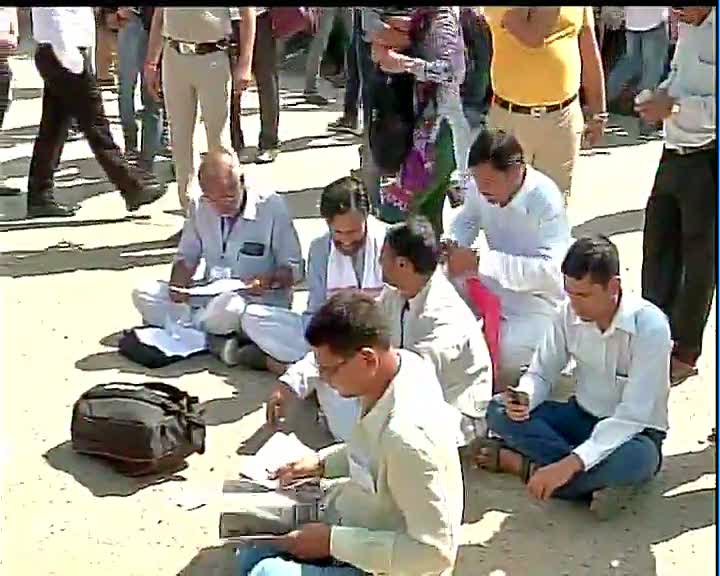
(526,243)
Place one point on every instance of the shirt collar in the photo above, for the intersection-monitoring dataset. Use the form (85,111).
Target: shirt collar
(624,318)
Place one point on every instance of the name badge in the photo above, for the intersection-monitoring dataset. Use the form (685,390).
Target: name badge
(360,474)
(220,273)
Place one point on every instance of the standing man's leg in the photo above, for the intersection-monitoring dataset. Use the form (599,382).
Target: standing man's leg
(654,48)
(265,69)
(105,53)
(628,67)
(49,142)
(697,199)
(369,171)
(214,89)
(557,137)
(315,54)
(181,107)
(348,122)
(152,115)
(129,56)
(662,236)
(5,101)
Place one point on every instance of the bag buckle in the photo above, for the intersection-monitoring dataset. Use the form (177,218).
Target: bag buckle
(537,111)
(185,48)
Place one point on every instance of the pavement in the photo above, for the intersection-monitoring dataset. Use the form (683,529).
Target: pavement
(66,285)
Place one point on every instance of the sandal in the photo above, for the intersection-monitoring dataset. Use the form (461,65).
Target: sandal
(491,448)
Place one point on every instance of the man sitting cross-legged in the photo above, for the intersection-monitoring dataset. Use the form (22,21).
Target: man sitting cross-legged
(239,233)
(400,509)
(425,315)
(607,439)
(346,256)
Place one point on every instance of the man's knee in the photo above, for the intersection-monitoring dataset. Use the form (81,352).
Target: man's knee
(269,567)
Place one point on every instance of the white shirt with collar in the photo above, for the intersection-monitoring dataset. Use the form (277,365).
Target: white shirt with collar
(66,30)
(527,240)
(642,18)
(622,374)
(692,83)
(440,326)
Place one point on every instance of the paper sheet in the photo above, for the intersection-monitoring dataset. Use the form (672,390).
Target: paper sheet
(279,450)
(189,340)
(214,288)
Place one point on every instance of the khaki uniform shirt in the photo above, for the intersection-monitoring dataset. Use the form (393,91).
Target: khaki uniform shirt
(401,509)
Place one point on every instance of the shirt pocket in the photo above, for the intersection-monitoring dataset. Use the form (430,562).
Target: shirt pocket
(620,384)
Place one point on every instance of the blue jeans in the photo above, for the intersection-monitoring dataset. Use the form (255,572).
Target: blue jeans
(352,70)
(645,56)
(132,47)
(556,428)
(265,561)
(320,40)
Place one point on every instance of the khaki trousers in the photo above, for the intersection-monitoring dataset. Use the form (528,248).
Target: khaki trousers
(105,53)
(551,142)
(187,80)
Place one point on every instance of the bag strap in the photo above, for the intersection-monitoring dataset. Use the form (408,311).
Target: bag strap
(175,394)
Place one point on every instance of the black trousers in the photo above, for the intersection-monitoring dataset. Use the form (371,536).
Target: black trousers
(678,271)
(265,69)
(68,97)
(5,80)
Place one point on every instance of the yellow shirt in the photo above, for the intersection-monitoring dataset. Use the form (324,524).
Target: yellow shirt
(549,74)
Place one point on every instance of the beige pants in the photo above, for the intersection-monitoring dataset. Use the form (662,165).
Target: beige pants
(188,79)
(106,53)
(551,142)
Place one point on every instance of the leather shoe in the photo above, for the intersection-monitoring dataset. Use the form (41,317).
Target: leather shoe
(48,208)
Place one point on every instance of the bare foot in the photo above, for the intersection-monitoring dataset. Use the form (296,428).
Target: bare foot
(509,462)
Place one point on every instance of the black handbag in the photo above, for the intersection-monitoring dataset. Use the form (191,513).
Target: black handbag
(146,355)
(138,428)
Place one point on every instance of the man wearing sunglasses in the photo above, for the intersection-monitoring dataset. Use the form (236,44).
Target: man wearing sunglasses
(400,510)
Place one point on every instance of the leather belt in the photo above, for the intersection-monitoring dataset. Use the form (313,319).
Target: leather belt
(535,111)
(685,150)
(198,48)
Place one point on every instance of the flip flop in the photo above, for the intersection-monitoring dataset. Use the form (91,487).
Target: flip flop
(491,448)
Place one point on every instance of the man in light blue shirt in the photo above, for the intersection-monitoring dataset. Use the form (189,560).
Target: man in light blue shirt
(522,215)
(679,259)
(238,233)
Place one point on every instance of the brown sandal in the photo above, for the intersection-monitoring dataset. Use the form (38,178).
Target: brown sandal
(491,447)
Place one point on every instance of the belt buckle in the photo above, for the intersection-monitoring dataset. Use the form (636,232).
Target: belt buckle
(537,111)
(185,48)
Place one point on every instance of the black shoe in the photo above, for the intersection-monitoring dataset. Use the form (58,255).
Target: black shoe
(316,98)
(48,207)
(151,191)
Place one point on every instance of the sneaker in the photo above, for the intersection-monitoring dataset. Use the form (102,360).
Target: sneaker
(47,207)
(225,348)
(680,371)
(267,156)
(609,502)
(345,124)
(316,98)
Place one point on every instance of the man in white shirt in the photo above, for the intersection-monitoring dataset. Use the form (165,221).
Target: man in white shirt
(607,438)
(400,507)
(646,47)
(66,38)
(679,244)
(347,256)
(522,215)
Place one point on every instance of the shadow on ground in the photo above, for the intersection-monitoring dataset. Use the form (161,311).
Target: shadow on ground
(499,514)
(66,257)
(99,477)
(612,224)
(211,561)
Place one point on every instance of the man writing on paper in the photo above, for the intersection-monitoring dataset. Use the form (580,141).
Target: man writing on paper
(425,315)
(346,256)
(239,233)
(521,213)
(399,512)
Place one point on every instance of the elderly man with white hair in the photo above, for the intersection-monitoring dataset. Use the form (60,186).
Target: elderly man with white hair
(239,233)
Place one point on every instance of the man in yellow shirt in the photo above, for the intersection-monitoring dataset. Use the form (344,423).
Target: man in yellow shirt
(541,56)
